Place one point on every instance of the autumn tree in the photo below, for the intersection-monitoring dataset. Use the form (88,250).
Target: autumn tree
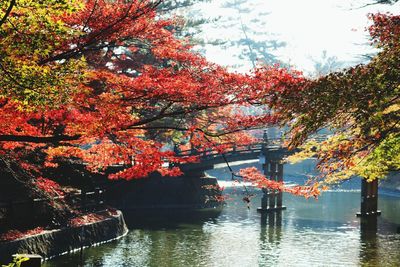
(360,104)
(108,83)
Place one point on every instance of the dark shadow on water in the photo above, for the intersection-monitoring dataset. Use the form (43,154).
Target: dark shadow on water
(156,219)
(368,228)
(271,227)
(369,242)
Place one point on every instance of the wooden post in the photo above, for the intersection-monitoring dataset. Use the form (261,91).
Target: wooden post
(271,200)
(271,192)
(279,179)
(369,199)
(193,151)
(176,149)
(368,227)
(81,239)
(265,137)
(264,199)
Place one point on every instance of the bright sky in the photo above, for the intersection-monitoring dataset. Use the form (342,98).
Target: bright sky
(307,26)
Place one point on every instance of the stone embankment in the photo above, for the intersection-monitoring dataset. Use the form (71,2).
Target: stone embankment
(53,243)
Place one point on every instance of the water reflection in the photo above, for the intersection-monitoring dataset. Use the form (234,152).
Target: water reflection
(369,242)
(270,234)
(309,233)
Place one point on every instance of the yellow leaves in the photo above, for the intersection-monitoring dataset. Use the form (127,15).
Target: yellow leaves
(334,177)
(324,188)
(392,108)
(342,157)
(36,85)
(56,7)
(308,150)
(34,32)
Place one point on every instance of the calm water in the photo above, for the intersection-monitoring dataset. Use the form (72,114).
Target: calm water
(309,233)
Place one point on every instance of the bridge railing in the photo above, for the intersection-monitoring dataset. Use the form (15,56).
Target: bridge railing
(234,149)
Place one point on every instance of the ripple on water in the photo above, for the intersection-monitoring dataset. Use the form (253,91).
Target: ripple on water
(309,233)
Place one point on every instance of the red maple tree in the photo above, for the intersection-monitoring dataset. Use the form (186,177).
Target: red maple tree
(141,88)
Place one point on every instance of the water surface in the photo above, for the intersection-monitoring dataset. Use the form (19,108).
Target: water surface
(309,233)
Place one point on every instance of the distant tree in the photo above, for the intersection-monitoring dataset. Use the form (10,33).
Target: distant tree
(377,2)
(326,64)
(170,5)
(390,2)
(257,46)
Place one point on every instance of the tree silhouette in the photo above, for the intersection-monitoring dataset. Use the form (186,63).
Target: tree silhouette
(256,45)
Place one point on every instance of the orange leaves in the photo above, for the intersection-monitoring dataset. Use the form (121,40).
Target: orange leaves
(49,186)
(142,90)
(104,20)
(16,234)
(259,180)
(175,171)
(88,219)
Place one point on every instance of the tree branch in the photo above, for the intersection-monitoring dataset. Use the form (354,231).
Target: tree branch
(37,139)
(8,11)
(93,40)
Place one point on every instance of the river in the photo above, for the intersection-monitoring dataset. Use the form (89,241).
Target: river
(323,232)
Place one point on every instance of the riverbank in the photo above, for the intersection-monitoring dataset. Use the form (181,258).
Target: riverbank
(57,242)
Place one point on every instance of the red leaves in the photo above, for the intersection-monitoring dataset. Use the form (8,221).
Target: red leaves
(16,234)
(142,90)
(385,29)
(86,219)
(49,186)
(259,180)
(89,218)
(173,172)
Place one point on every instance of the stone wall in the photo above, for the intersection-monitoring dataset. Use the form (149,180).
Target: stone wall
(61,241)
(189,191)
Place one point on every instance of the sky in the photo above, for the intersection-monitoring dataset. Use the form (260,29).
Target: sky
(307,27)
